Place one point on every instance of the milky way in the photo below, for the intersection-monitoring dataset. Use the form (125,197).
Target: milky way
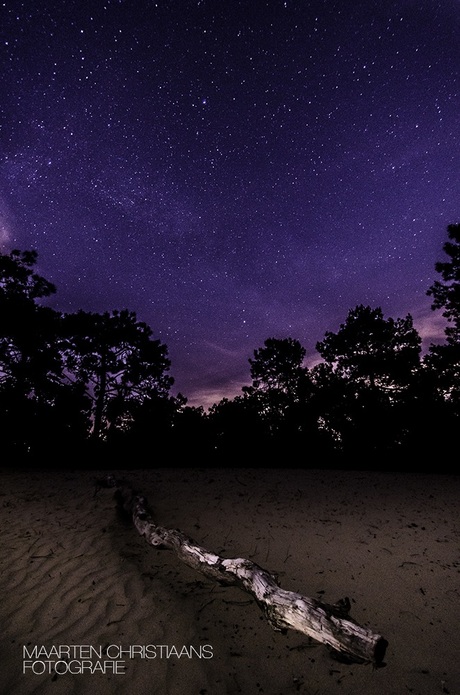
(232,171)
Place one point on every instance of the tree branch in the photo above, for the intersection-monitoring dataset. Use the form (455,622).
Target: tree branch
(329,624)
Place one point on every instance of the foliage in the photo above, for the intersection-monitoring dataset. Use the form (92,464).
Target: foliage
(28,357)
(36,407)
(280,384)
(99,384)
(444,360)
(372,351)
(115,358)
(446,294)
(371,364)
(62,376)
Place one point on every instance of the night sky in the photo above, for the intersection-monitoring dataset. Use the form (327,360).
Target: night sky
(232,171)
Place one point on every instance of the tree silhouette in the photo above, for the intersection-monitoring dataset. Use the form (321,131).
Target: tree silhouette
(115,358)
(446,294)
(281,392)
(29,359)
(37,408)
(371,364)
(445,359)
(236,429)
(372,351)
(70,379)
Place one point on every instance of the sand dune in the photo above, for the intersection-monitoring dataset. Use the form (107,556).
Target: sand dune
(74,574)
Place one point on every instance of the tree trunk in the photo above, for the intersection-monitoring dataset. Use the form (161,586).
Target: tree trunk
(329,624)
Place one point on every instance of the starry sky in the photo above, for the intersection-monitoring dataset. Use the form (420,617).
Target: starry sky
(232,170)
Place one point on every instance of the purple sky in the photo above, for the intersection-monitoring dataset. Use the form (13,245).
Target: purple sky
(232,171)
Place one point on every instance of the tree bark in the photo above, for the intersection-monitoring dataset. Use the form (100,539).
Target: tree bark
(329,624)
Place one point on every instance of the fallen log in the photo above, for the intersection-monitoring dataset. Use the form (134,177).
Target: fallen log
(329,624)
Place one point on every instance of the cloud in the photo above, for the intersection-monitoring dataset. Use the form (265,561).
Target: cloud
(430,327)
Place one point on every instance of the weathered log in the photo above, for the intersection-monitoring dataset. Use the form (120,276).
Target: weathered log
(329,624)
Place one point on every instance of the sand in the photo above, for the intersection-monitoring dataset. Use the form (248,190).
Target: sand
(73,574)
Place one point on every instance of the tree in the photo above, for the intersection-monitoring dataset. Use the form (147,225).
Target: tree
(331,404)
(446,294)
(372,351)
(281,391)
(37,409)
(18,281)
(445,359)
(29,360)
(371,365)
(114,356)
(236,429)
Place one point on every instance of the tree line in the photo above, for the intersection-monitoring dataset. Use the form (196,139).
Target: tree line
(97,385)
